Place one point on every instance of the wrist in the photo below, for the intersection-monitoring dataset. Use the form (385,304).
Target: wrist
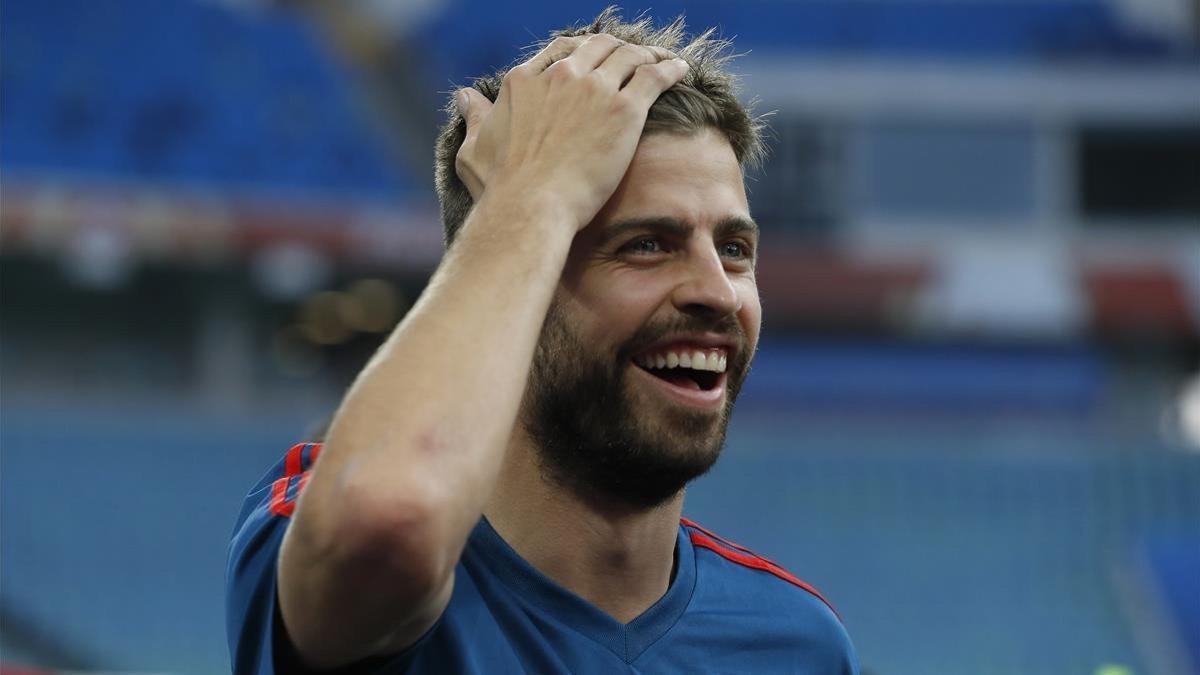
(543,197)
(529,227)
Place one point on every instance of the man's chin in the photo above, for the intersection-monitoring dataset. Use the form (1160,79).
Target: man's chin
(641,457)
(656,473)
(677,432)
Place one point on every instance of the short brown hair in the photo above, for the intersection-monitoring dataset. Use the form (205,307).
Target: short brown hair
(705,98)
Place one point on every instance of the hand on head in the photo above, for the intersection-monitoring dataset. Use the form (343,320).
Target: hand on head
(567,121)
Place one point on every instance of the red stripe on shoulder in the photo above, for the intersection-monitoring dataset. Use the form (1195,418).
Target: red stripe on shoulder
(713,535)
(746,558)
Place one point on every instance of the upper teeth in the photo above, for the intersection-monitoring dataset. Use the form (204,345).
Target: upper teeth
(713,359)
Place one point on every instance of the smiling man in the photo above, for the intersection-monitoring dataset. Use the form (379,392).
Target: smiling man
(501,490)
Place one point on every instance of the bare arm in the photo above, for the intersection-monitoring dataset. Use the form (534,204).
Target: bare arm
(416,445)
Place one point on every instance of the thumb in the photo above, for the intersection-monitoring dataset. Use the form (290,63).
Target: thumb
(472,105)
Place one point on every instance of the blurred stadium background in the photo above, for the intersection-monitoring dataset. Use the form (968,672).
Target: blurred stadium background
(974,422)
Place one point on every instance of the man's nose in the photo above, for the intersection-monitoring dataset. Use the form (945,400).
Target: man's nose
(705,287)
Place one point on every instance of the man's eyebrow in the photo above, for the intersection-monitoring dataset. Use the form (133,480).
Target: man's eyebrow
(735,225)
(658,224)
(676,227)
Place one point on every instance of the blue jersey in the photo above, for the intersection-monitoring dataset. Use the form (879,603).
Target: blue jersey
(727,610)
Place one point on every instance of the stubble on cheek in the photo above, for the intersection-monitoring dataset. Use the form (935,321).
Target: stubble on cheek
(597,429)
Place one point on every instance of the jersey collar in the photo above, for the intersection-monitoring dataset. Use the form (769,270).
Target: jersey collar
(627,641)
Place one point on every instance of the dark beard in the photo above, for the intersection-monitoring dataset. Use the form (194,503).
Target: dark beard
(590,440)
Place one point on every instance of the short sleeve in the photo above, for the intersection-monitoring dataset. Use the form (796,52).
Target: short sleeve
(250,579)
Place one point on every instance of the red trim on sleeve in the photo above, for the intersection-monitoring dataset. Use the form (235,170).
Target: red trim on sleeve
(293,465)
(294,469)
(280,505)
(747,559)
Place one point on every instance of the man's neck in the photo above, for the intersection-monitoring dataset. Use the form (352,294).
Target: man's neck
(617,558)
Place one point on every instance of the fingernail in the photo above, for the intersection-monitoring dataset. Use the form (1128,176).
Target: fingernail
(462,102)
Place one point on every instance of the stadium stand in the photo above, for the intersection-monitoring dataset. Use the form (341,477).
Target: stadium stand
(184,92)
(465,43)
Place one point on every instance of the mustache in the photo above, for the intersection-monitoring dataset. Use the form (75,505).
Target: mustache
(726,326)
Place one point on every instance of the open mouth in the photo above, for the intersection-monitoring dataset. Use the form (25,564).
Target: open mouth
(689,369)
(687,378)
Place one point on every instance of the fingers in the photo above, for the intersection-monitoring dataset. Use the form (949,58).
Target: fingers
(624,61)
(558,49)
(651,80)
(594,51)
(473,106)
(612,59)
(475,109)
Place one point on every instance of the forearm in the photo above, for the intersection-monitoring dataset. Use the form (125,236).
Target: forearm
(431,413)
(416,445)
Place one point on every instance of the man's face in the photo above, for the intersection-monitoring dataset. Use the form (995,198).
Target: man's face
(665,271)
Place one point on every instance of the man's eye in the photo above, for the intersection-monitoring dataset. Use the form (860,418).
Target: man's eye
(735,249)
(644,245)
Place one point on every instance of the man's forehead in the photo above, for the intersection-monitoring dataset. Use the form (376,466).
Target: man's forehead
(705,151)
(692,178)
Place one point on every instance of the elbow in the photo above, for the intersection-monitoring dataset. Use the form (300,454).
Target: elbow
(401,536)
(383,524)
(359,557)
